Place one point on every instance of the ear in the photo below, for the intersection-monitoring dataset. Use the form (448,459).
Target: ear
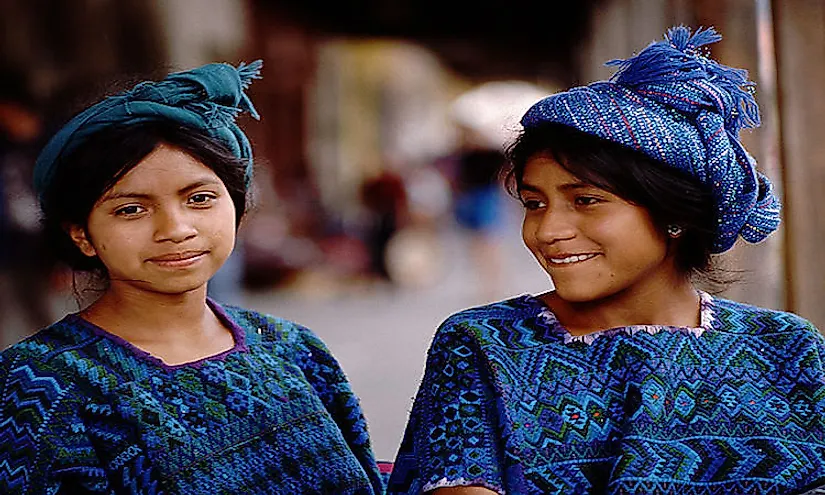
(81,240)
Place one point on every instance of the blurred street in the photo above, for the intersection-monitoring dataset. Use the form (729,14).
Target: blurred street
(381,337)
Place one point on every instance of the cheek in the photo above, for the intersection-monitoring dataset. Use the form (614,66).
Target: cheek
(111,235)
(528,232)
(116,244)
(630,227)
(654,241)
(644,243)
(524,235)
(220,224)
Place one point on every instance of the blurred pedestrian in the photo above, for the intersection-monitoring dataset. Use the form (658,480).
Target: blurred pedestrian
(385,198)
(479,210)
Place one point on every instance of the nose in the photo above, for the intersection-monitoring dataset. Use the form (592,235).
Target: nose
(555,225)
(174,224)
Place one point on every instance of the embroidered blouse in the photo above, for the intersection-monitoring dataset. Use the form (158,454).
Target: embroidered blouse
(512,402)
(84,411)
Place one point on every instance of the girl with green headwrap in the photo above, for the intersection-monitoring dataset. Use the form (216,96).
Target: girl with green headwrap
(155,388)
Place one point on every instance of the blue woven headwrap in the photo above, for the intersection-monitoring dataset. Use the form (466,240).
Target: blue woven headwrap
(676,105)
(208,98)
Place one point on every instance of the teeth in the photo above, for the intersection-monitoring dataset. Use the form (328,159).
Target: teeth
(571,259)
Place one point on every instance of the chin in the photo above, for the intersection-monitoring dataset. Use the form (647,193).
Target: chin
(176,287)
(581,293)
(175,291)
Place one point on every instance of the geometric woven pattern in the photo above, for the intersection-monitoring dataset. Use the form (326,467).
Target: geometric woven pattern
(85,412)
(511,402)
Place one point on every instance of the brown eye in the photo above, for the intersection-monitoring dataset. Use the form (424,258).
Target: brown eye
(201,199)
(532,204)
(586,200)
(130,210)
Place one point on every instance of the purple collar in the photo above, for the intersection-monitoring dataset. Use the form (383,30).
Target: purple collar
(238,335)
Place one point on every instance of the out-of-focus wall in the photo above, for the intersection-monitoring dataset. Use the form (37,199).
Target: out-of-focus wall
(204,31)
(70,47)
(800,57)
(376,105)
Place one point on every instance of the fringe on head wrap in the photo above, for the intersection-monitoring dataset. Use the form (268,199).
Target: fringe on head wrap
(674,103)
(208,98)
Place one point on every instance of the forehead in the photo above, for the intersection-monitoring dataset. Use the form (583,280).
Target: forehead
(543,170)
(165,168)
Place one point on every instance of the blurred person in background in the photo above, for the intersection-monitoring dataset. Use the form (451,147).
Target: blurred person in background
(385,198)
(479,210)
(405,211)
(414,256)
(627,378)
(486,117)
(25,263)
(154,387)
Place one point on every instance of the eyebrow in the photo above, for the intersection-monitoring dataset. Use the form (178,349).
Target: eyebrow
(206,181)
(569,186)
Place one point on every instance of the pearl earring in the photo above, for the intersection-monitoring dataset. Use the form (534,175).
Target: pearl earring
(674,230)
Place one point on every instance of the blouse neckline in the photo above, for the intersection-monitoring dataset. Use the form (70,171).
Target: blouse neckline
(238,336)
(706,319)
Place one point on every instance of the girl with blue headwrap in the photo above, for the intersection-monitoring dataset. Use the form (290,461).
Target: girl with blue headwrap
(627,379)
(154,388)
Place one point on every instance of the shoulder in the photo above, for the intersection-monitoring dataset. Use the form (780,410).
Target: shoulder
(39,393)
(45,352)
(510,323)
(737,317)
(269,328)
(289,339)
(56,337)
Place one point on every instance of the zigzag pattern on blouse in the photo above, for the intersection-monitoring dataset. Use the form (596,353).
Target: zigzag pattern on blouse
(510,402)
(80,412)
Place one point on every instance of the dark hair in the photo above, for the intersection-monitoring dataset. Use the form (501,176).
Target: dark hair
(84,175)
(670,196)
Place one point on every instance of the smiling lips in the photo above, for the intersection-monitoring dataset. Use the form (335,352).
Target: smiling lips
(568,259)
(181,259)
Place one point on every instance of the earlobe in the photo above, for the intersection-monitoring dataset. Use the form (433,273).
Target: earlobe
(81,240)
(675,231)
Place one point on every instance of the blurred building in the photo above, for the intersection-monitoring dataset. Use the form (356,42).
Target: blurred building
(352,89)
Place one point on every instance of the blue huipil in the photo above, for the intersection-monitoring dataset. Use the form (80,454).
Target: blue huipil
(83,411)
(512,402)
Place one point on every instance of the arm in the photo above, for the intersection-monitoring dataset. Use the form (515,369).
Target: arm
(121,451)
(452,437)
(44,442)
(464,490)
(30,398)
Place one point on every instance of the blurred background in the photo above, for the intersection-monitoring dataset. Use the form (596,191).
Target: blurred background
(376,212)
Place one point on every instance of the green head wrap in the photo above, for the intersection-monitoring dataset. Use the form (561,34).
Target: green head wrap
(208,98)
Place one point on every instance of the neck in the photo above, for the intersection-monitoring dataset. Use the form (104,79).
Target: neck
(672,303)
(140,316)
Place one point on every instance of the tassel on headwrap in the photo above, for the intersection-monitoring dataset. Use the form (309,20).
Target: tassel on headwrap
(208,98)
(675,104)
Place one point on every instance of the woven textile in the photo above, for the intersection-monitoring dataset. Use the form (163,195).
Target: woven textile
(676,105)
(208,98)
(512,402)
(84,412)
